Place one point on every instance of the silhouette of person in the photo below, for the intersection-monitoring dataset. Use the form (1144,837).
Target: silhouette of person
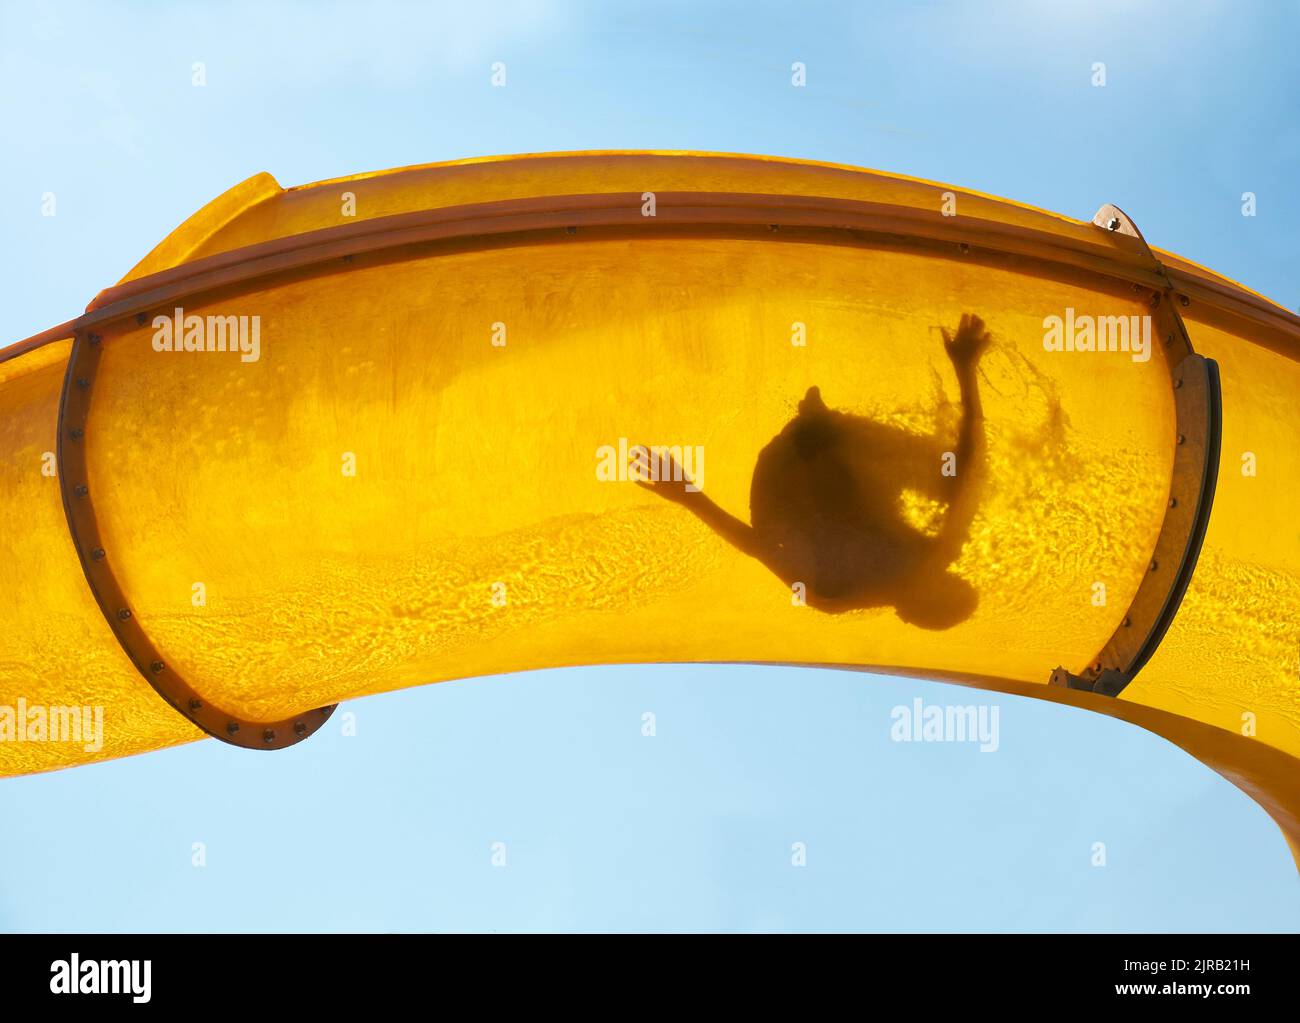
(825,503)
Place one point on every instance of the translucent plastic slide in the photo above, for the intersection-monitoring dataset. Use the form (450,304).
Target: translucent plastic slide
(518,413)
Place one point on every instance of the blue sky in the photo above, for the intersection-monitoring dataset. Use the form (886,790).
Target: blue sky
(392,829)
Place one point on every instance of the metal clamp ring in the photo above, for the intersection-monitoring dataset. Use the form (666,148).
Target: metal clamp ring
(1198,411)
(96,562)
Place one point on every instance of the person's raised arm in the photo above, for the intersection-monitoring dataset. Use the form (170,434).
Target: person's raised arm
(964,348)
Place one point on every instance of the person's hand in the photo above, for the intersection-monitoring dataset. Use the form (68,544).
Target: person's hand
(969,343)
(671,481)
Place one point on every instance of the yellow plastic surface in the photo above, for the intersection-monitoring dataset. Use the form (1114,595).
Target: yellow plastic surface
(477,536)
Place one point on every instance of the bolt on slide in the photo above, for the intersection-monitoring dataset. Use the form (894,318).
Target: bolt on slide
(515,413)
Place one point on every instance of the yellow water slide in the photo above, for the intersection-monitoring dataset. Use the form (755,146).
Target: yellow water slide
(504,414)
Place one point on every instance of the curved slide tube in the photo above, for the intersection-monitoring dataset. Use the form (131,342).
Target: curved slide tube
(527,412)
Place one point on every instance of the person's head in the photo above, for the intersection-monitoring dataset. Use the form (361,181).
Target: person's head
(937,602)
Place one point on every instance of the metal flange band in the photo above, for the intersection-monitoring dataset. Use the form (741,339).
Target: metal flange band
(1198,415)
(97,563)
